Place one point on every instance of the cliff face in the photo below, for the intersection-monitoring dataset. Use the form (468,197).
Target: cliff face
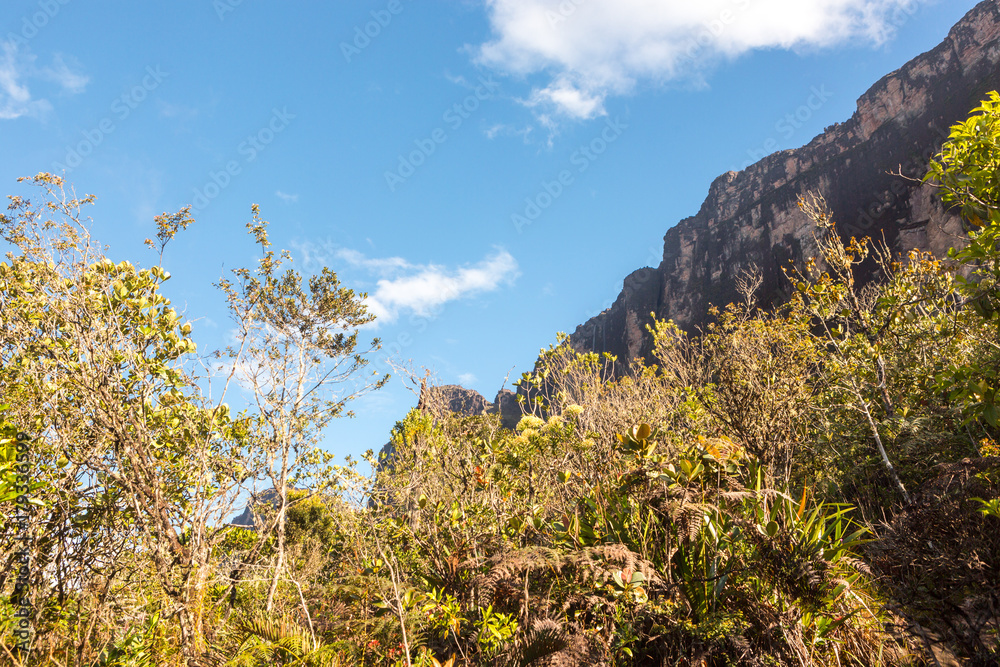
(444,400)
(455,399)
(751,217)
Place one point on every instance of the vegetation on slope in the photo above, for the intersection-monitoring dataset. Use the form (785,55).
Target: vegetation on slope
(814,485)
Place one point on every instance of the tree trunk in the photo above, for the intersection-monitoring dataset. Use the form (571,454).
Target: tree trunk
(878,443)
(282,506)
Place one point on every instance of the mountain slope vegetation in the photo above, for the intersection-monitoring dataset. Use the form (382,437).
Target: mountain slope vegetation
(815,484)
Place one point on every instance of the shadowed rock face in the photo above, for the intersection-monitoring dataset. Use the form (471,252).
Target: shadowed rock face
(752,218)
(507,406)
(445,400)
(454,398)
(246,519)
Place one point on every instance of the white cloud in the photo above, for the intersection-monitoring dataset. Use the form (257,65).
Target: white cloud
(589,49)
(60,73)
(504,130)
(566,97)
(467,379)
(287,198)
(403,286)
(380,265)
(456,79)
(424,289)
(315,255)
(17,65)
(15,98)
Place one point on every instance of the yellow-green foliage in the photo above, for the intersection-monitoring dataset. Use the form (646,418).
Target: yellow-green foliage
(815,485)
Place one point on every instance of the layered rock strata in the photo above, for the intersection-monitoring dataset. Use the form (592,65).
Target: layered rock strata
(751,218)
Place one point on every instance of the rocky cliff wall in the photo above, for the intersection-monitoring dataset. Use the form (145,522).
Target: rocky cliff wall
(751,217)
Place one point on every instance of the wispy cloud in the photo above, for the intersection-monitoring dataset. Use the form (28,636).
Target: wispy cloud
(590,49)
(382,266)
(467,379)
(504,130)
(17,65)
(15,98)
(430,287)
(402,286)
(456,79)
(59,72)
(287,198)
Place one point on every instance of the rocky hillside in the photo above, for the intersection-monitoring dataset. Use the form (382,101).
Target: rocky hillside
(751,217)
(449,399)
(453,398)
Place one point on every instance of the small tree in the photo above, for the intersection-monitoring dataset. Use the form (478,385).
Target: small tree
(297,354)
(751,376)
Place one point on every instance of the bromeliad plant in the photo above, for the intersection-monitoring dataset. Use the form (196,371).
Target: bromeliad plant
(727,552)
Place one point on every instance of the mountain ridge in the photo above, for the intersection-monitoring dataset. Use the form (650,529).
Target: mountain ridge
(750,218)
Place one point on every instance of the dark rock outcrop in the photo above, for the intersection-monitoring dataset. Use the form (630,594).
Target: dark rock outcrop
(254,507)
(453,398)
(751,218)
(506,405)
(445,400)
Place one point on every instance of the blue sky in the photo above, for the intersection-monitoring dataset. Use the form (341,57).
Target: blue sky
(487,170)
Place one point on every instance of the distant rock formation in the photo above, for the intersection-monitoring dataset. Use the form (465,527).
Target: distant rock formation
(751,218)
(456,399)
(258,501)
(506,405)
(452,398)
(449,399)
